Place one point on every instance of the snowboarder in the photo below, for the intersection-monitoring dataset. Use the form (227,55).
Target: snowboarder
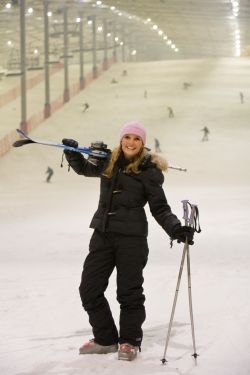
(130,177)
(170,112)
(241,97)
(85,107)
(50,173)
(157,145)
(205,133)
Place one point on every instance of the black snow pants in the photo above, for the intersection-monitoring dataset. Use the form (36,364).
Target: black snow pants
(128,254)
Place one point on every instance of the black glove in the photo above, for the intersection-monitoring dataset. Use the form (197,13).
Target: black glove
(70,143)
(182,232)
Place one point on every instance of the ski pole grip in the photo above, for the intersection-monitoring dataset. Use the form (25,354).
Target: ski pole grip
(192,215)
(185,203)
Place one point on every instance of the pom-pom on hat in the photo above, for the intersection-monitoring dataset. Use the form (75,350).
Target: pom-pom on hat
(136,128)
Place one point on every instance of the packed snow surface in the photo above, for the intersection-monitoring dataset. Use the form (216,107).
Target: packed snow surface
(45,233)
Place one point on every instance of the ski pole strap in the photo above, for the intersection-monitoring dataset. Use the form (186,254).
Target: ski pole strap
(191,219)
(196,218)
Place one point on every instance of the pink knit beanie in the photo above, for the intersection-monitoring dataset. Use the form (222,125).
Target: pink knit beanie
(136,128)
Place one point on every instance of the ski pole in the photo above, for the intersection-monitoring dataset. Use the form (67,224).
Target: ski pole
(177,168)
(189,221)
(174,304)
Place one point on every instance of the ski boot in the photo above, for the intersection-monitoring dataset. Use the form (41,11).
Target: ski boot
(91,347)
(127,352)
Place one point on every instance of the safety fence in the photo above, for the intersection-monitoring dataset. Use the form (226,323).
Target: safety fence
(15,92)
(36,119)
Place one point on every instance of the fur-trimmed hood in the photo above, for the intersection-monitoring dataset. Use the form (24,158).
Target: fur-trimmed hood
(160,162)
(152,158)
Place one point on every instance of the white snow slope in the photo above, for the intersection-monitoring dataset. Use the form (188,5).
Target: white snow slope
(45,234)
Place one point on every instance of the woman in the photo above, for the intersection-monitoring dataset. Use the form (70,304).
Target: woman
(130,178)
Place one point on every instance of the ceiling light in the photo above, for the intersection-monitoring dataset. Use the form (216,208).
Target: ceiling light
(8,6)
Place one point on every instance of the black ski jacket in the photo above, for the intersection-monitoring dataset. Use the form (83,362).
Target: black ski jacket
(123,197)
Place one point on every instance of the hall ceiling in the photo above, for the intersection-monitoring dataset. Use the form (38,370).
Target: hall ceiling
(197,28)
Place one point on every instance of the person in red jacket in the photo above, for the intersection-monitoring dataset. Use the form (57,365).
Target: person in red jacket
(130,178)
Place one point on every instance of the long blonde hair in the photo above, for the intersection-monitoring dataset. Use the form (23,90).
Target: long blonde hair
(132,167)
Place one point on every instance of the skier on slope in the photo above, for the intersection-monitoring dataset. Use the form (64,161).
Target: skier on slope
(130,178)
(50,173)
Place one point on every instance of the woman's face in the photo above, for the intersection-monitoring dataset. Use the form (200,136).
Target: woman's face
(131,145)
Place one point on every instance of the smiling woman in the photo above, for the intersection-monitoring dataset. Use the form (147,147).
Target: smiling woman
(133,137)
(131,145)
(130,178)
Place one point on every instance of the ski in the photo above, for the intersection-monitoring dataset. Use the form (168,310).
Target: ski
(91,151)
(84,150)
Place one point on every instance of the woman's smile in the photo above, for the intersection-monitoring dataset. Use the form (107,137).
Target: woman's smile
(131,145)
